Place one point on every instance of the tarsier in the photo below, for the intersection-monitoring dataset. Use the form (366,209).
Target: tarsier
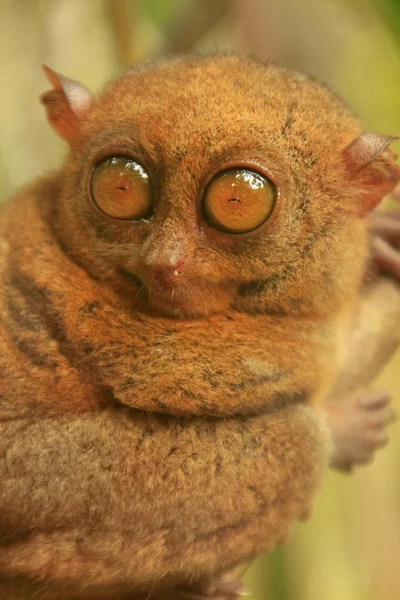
(173,306)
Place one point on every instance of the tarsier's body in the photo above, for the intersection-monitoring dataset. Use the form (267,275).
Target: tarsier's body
(158,375)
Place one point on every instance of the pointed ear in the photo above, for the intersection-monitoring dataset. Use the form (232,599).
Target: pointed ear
(66,104)
(371,165)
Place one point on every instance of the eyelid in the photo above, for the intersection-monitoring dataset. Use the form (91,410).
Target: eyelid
(120,153)
(110,144)
(253,165)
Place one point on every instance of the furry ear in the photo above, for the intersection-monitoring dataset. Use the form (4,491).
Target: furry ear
(372,166)
(66,104)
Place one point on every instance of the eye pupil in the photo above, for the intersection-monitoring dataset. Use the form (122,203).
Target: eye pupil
(121,174)
(253,192)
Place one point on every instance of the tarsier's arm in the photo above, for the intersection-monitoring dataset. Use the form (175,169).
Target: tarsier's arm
(375,332)
(357,417)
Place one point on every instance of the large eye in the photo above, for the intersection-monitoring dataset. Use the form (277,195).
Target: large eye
(238,200)
(120,188)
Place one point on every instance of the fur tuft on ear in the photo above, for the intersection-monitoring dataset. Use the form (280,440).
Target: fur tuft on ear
(371,165)
(66,104)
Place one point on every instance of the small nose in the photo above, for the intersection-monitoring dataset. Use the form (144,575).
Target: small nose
(168,272)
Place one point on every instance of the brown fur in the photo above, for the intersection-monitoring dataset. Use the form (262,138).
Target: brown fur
(118,472)
(117,498)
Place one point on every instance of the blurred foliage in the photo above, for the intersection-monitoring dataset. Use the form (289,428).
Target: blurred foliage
(161,11)
(350,549)
(390,10)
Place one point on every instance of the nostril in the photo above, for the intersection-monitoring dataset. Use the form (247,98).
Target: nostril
(178,268)
(168,272)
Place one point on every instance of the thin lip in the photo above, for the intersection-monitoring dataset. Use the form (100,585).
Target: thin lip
(164,298)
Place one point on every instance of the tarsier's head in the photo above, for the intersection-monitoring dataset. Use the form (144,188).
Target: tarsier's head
(198,184)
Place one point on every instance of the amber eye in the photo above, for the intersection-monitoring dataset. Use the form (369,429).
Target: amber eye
(238,200)
(120,188)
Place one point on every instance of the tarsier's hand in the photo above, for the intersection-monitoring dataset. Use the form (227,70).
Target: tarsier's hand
(358,427)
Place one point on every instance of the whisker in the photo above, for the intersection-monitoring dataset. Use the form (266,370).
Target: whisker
(139,290)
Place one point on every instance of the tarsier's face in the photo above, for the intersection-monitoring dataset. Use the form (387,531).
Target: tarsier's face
(197,185)
(235,202)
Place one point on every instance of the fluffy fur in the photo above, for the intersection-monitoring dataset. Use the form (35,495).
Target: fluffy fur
(144,445)
(115,499)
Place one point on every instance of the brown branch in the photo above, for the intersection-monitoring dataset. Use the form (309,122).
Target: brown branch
(193,24)
(119,14)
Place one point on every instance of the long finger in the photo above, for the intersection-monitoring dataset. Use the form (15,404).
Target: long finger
(381,418)
(386,257)
(387,227)
(374,400)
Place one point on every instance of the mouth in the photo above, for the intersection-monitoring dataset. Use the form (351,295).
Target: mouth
(170,301)
(177,300)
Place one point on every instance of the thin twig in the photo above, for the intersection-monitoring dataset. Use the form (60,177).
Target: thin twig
(120,17)
(193,24)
